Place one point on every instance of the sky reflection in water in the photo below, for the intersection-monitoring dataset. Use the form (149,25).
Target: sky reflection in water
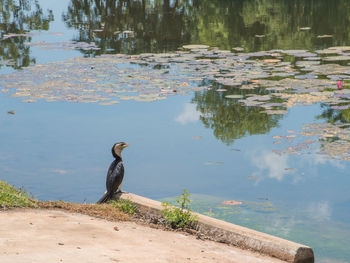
(61,150)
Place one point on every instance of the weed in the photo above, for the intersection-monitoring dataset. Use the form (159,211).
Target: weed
(12,197)
(124,205)
(179,217)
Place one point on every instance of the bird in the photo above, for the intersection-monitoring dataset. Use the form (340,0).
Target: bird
(115,173)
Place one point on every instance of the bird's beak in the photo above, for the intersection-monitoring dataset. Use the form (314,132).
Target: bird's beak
(125,145)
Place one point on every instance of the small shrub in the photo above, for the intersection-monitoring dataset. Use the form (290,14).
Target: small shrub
(179,217)
(124,205)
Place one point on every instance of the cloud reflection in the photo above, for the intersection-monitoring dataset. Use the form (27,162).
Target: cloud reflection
(317,159)
(278,166)
(273,163)
(320,211)
(188,115)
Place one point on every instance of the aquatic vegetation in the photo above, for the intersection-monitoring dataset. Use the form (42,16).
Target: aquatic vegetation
(333,138)
(64,45)
(249,90)
(108,79)
(231,202)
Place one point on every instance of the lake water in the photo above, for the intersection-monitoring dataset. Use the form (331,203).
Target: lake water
(293,180)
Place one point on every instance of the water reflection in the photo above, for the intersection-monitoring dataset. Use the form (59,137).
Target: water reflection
(188,115)
(284,202)
(320,211)
(131,26)
(229,119)
(334,116)
(275,165)
(17,19)
(154,26)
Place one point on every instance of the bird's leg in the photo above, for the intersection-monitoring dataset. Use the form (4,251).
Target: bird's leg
(119,190)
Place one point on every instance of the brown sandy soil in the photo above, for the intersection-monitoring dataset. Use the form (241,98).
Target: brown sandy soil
(40,235)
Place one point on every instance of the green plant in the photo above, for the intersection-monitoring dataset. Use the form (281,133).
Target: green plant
(12,197)
(179,217)
(124,205)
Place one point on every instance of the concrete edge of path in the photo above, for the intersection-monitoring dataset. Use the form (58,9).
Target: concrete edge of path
(232,234)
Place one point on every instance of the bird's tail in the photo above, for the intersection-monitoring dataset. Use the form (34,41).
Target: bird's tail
(106,196)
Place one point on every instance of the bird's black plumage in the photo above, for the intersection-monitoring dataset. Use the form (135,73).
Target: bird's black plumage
(115,173)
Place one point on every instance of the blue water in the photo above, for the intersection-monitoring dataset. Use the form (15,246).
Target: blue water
(61,151)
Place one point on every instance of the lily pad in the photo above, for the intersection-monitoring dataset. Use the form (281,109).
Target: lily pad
(324,36)
(234,96)
(341,48)
(231,202)
(238,49)
(336,58)
(305,28)
(195,47)
(272,60)
(279,112)
(328,51)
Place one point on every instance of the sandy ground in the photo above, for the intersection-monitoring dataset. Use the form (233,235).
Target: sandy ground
(57,236)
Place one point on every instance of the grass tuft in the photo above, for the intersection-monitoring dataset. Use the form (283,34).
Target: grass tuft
(124,205)
(11,197)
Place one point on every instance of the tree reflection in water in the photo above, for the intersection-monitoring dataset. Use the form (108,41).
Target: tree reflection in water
(229,119)
(333,115)
(161,26)
(155,25)
(20,17)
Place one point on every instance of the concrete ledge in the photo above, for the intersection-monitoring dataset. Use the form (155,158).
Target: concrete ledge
(239,236)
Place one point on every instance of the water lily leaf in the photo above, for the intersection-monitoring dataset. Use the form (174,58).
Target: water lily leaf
(324,36)
(234,149)
(238,49)
(280,112)
(271,60)
(307,64)
(233,96)
(109,103)
(328,51)
(343,107)
(341,48)
(290,169)
(336,58)
(292,52)
(231,202)
(195,47)
(306,76)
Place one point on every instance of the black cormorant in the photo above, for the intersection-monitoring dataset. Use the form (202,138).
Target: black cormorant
(115,173)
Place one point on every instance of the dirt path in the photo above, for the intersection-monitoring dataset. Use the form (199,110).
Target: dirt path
(57,236)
